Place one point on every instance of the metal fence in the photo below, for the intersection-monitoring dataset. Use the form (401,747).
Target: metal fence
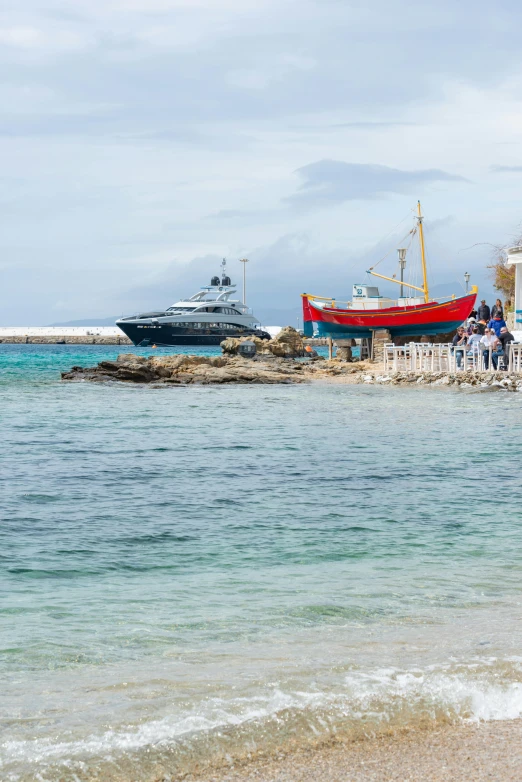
(445,357)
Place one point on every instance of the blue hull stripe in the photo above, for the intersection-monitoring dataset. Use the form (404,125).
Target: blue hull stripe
(356,332)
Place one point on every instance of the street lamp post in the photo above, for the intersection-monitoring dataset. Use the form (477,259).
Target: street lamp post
(244,261)
(402,263)
(466,277)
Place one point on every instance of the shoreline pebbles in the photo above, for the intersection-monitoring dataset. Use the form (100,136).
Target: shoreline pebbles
(475,381)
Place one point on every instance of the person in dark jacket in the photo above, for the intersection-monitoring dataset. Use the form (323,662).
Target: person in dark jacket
(502,348)
(496,324)
(484,313)
(481,325)
(497,310)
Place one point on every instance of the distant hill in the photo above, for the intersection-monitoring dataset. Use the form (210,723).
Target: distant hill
(89,322)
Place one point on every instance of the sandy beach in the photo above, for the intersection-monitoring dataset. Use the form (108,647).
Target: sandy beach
(471,753)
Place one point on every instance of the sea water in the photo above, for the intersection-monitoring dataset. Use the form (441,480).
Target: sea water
(193,575)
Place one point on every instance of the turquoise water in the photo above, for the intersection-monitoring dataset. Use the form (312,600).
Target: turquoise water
(194,574)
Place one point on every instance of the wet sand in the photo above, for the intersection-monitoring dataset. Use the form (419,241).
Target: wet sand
(473,753)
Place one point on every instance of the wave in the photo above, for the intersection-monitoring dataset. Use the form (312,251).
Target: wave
(219,730)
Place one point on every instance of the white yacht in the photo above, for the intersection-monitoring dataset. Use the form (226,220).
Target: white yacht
(206,318)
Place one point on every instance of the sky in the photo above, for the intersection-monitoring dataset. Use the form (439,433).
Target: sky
(143,140)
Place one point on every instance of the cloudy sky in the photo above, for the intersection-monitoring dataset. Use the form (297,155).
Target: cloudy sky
(141,140)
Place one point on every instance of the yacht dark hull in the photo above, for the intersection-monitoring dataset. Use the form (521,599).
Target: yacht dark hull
(166,335)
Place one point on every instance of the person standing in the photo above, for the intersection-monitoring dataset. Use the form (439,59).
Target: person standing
(497,310)
(484,312)
(496,324)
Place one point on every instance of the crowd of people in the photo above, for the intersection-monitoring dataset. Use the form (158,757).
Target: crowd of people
(486,333)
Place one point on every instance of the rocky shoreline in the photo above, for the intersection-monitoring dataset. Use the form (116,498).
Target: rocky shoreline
(202,370)
(184,370)
(474,381)
(283,359)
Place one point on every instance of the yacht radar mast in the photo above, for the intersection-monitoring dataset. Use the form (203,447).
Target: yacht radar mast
(225,279)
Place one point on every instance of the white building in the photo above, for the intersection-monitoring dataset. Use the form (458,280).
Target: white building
(515,259)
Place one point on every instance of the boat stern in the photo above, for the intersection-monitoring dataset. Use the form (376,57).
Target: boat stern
(308,324)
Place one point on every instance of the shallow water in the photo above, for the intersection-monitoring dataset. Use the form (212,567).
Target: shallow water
(192,574)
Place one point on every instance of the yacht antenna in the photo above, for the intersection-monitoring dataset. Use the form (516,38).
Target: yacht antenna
(244,261)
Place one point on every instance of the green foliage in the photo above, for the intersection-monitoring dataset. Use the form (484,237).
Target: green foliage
(503,279)
(503,276)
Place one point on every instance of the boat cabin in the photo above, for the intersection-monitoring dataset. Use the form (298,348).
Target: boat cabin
(367,297)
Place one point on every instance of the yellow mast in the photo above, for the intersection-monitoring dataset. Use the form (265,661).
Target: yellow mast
(425,288)
(423,255)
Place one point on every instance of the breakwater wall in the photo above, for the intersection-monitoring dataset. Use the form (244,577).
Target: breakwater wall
(64,339)
(63,335)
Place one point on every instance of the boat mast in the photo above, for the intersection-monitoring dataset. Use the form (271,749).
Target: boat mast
(423,255)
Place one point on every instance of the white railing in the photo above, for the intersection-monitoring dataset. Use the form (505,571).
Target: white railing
(445,357)
(418,356)
(515,358)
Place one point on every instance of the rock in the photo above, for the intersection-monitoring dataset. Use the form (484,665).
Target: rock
(287,344)
(124,358)
(135,372)
(344,353)
(110,366)
(488,389)
(186,370)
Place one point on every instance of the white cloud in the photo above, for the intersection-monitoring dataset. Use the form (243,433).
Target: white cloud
(25,37)
(270,70)
(127,123)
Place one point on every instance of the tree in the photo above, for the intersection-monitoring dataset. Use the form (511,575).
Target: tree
(503,276)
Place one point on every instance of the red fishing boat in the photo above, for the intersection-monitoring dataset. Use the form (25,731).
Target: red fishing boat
(368,311)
